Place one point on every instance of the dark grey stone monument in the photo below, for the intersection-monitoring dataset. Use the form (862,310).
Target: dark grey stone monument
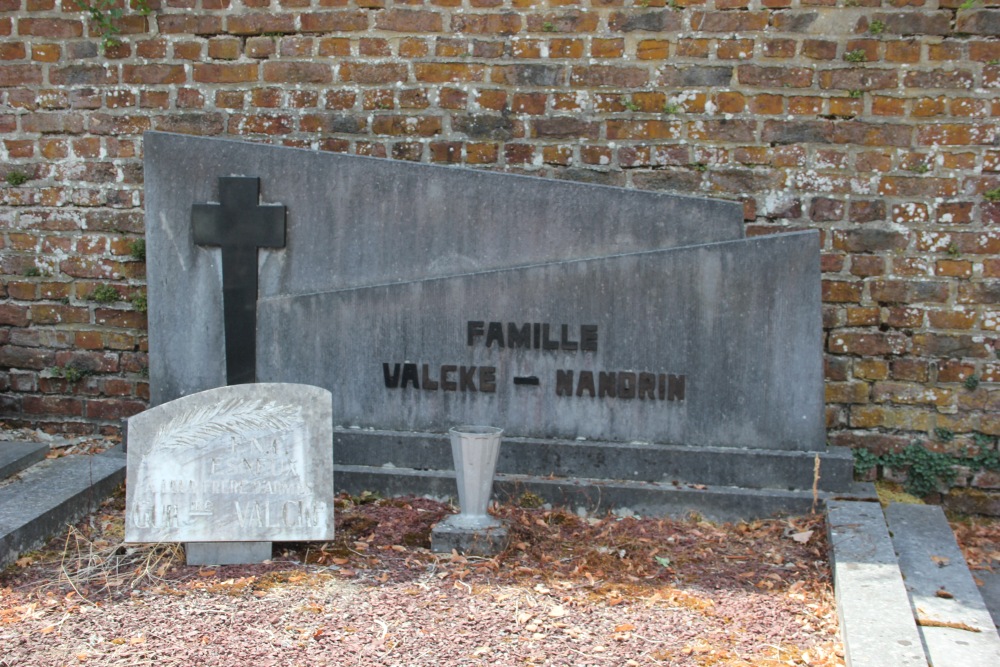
(617,336)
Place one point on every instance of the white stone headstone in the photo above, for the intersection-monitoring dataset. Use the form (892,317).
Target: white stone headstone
(244,463)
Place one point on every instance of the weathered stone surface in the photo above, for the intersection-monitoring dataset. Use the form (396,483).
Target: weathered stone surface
(640,462)
(723,352)
(877,625)
(955,625)
(246,463)
(16,456)
(51,494)
(369,222)
(226,553)
(446,536)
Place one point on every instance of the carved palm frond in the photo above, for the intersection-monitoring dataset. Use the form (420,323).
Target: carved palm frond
(235,416)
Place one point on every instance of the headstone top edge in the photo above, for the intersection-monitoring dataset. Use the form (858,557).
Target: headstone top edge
(753,240)
(237,390)
(159,136)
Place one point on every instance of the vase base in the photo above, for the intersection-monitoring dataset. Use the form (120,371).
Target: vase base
(469,536)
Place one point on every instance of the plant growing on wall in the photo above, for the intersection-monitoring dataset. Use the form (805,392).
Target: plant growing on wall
(928,471)
(104,15)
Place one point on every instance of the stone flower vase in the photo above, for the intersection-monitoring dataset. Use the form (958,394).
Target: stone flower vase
(475,450)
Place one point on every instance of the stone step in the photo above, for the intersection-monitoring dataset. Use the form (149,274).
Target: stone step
(715,466)
(953,620)
(876,624)
(40,501)
(720,503)
(17,456)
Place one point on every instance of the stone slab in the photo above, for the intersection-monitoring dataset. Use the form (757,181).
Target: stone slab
(16,456)
(737,326)
(717,503)
(876,624)
(43,499)
(955,625)
(989,587)
(354,221)
(226,553)
(717,466)
(446,537)
(250,462)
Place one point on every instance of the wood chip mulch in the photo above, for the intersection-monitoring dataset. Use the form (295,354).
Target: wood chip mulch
(569,590)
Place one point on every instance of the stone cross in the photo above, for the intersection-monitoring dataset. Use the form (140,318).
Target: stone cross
(240,225)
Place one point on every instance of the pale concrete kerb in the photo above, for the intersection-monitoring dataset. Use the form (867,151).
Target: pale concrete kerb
(876,622)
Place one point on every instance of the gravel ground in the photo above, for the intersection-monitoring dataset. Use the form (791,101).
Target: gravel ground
(568,591)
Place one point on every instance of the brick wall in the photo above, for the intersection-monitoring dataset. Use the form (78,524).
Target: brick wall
(874,122)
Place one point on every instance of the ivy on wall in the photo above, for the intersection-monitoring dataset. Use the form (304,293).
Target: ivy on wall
(929,471)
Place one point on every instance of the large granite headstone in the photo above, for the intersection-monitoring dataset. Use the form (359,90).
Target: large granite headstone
(424,296)
(232,469)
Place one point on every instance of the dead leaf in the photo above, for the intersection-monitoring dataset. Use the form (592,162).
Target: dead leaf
(940,561)
(624,627)
(802,537)
(558,611)
(942,593)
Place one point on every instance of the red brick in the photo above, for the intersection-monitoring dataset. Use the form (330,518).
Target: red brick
(409,21)
(259,23)
(235,73)
(449,72)
(858,79)
(368,47)
(734,49)
(693,48)
(953,268)
(52,28)
(949,319)
(955,135)
(424,126)
(779,48)
(867,344)
(643,129)
(909,291)
(224,48)
(869,240)
(297,72)
(729,21)
(774,77)
(903,186)
(481,153)
(113,409)
(608,75)
(491,24)
(839,291)
(119,125)
(263,123)
(633,21)
(52,405)
(153,74)
(185,24)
